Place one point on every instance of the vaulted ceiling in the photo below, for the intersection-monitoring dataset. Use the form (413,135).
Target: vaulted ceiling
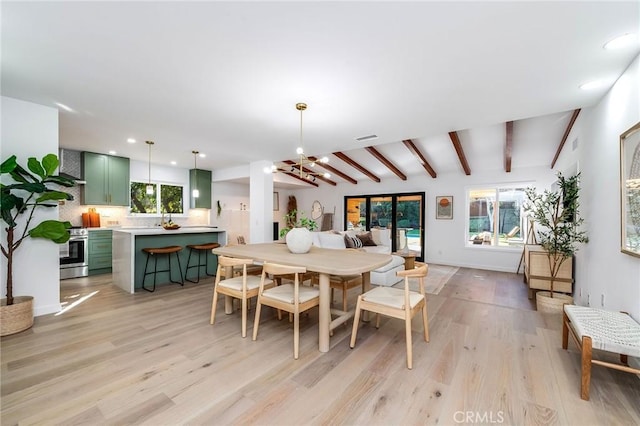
(530,142)
(446,87)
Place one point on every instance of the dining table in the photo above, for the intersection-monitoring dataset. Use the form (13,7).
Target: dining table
(325,262)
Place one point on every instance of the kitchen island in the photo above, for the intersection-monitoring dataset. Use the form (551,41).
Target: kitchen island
(129,260)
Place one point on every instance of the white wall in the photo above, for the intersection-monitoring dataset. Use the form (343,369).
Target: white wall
(236,210)
(444,239)
(605,270)
(30,130)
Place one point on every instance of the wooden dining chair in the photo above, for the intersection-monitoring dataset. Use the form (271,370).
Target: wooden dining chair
(251,269)
(293,298)
(343,283)
(242,287)
(396,303)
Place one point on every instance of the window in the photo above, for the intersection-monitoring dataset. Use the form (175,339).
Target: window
(170,200)
(495,216)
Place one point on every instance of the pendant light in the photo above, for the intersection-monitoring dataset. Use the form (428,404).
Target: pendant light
(195,193)
(298,169)
(150,187)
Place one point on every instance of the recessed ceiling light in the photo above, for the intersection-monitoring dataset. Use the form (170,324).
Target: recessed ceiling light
(202,155)
(367,138)
(131,140)
(173,163)
(592,85)
(622,41)
(112,152)
(64,107)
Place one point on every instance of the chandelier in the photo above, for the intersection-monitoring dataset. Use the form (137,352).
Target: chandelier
(299,168)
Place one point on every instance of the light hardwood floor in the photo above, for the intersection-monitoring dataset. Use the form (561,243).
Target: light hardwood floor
(153,358)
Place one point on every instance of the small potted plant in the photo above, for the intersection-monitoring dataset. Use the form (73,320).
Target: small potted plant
(31,189)
(297,232)
(556,213)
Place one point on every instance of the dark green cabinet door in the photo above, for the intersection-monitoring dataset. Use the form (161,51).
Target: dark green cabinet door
(200,179)
(119,181)
(100,251)
(95,190)
(107,180)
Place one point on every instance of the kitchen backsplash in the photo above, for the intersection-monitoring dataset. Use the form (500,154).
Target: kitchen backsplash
(114,216)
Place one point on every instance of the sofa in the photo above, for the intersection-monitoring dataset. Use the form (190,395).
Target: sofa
(383,276)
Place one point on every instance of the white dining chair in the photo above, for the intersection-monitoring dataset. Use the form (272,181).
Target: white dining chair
(293,298)
(242,287)
(396,303)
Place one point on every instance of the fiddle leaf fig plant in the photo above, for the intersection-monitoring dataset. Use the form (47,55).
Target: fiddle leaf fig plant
(556,212)
(30,189)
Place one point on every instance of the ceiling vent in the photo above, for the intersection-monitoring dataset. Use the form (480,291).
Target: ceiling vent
(366,138)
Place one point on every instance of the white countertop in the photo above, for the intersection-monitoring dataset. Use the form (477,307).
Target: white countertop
(157,230)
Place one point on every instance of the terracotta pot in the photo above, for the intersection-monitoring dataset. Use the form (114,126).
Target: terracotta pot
(299,240)
(551,305)
(17,317)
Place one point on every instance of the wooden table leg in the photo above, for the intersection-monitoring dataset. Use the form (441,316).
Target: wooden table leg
(324,313)
(409,262)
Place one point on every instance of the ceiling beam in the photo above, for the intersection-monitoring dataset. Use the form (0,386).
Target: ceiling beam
(416,152)
(334,171)
(349,161)
(508,147)
(384,160)
(463,160)
(297,176)
(310,172)
(565,136)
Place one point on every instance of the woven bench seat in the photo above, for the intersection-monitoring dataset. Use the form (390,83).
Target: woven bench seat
(604,330)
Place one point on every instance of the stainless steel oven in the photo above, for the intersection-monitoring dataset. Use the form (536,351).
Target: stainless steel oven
(74,256)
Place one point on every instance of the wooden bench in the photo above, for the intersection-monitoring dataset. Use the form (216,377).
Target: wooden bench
(604,330)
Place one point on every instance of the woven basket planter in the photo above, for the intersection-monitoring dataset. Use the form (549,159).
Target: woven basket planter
(546,304)
(17,317)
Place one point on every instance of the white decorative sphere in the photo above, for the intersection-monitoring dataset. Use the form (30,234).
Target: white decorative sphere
(299,240)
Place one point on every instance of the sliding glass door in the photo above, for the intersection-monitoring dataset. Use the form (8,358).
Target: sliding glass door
(409,214)
(402,213)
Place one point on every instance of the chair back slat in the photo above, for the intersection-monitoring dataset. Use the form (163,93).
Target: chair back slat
(233,261)
(278,269)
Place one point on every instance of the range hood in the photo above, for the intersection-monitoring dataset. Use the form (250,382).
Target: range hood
(70,165)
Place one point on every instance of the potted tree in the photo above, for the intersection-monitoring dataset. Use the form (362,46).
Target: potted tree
(556,213)
(297,232)
(30,189)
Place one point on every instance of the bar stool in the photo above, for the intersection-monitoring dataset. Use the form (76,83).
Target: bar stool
(206,247)
(155,251)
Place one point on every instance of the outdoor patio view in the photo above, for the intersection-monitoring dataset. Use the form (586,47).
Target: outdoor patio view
(496,217)
(367,212)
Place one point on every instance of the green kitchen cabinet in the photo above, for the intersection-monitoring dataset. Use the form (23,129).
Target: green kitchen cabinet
(107,180)
(99,251)
(201,180)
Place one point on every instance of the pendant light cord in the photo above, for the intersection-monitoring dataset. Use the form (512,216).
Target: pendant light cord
(149,143)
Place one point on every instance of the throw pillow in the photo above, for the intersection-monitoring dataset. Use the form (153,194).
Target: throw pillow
(348,242)
(352,242)
(367,239)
